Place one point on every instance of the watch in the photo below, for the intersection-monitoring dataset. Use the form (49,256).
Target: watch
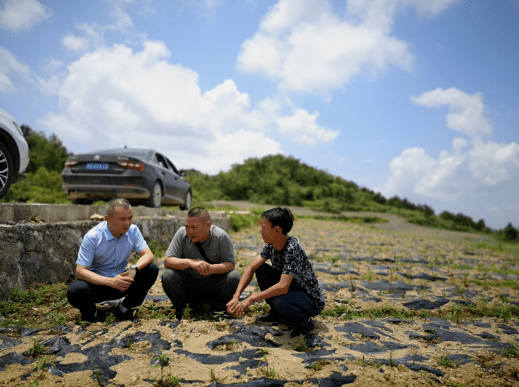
(134,267)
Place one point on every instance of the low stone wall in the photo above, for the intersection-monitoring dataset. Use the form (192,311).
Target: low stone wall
(47,252)
(20,212)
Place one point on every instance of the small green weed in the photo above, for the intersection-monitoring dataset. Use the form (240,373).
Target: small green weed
(37,349)
(391,362)
(99,378)
(220,316)
(43,363)
(301,345)
(337,311)
(364,363)
(213,377)
(318,365)
(268,372)
(444,361)
(186,314)
(165,381)
(510,351)
(229,345)
(259,308)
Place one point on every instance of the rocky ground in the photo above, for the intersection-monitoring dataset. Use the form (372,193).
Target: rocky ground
(403,309)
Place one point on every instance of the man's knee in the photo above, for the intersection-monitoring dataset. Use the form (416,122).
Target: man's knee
(263,270)
(173,281)
(76,291)
(153,271)
(234,278)
(170,276)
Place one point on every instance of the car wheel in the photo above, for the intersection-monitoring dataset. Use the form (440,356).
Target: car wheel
(187,201)
(155,199)
(6,170)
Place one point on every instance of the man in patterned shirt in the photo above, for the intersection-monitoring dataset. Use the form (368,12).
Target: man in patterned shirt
(289,286)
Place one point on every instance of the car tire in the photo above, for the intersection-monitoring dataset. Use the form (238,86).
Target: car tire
(6,170)
(187,201)
(155,199)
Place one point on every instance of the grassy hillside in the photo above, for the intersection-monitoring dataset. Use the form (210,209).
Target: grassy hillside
(280,180)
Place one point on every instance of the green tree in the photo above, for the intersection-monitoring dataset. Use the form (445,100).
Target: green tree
(44,152)
(510,233)
(43,178)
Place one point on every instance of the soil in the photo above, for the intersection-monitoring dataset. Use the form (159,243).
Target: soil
(354,263)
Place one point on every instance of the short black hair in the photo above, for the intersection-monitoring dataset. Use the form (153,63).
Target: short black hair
(281,217)
(200,213)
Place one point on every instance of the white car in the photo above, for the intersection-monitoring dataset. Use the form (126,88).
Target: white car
(14,153)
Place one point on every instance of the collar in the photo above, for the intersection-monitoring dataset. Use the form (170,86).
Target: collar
(108,234)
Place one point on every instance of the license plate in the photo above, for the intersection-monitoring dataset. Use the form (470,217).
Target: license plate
(97,166)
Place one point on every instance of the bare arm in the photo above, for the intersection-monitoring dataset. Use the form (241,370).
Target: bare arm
(120,282)
(236,307)
(146,257)
(200,266)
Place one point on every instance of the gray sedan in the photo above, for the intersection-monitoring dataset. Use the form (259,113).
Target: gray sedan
(139,175)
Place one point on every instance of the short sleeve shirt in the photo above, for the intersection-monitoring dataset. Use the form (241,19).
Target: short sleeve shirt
(292,260)
(218,248)
(106,255)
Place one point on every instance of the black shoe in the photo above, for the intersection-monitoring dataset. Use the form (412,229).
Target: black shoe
(270,318)
(302,330)
(128,315)
(99,316)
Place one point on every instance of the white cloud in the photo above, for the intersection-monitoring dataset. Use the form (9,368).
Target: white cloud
(75,43)
(465,110)
(10,64)
(114,96)
(308,47)
(473,170)
(22,14)
(493,163)
(303,127)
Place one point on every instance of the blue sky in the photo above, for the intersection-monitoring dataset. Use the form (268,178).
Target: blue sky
(413,98)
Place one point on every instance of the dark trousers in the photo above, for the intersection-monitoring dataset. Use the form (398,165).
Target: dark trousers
(84,295)
(296,307)
(182,288)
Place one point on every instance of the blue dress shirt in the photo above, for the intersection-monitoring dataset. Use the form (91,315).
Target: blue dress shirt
(106,255)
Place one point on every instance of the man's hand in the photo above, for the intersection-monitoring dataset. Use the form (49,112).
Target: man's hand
(237,308)
(202,267)
(121,281)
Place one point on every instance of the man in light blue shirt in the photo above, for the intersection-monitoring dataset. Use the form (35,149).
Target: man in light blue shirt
(101,265)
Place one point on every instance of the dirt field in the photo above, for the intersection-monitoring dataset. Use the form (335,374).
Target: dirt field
(362,268)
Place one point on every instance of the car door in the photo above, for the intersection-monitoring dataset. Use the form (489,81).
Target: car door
(181,186)
(169,178)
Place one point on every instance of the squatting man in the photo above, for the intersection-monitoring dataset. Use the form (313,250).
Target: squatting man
(101,265)
(290,285)
(200,265)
